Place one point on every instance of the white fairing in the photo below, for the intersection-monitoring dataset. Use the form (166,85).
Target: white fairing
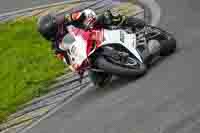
(78,48)
(124,38)
(78,51)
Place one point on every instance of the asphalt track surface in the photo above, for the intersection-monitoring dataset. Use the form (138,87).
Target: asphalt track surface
(165,100)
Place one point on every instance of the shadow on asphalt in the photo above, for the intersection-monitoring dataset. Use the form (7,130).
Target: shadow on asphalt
(92,94)
(120,82)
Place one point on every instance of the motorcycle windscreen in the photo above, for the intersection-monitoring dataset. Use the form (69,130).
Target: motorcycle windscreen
(67,41)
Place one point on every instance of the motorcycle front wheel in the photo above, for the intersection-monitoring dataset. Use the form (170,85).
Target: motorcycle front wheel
(99,79)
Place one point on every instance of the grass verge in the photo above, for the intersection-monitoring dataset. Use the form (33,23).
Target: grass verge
(27,65)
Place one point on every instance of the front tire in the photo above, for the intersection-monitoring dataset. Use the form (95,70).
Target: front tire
(99,79)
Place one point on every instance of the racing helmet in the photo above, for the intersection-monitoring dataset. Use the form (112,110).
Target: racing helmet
(48,27)
(90,18)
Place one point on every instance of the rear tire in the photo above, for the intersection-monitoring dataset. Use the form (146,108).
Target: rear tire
(167,41)
(167,47)
(107,66)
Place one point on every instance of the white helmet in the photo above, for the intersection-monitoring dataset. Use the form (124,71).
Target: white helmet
(90,19)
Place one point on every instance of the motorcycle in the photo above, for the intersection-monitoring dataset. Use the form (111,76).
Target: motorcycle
(115,50)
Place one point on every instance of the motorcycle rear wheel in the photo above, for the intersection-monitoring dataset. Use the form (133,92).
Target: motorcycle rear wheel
(166,40)
(167,47)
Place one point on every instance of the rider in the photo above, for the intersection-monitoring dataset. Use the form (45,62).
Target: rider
(53,27)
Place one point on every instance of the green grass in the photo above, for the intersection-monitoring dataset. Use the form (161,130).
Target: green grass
(27,65)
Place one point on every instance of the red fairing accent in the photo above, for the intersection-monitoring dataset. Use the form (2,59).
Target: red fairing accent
(94,36)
